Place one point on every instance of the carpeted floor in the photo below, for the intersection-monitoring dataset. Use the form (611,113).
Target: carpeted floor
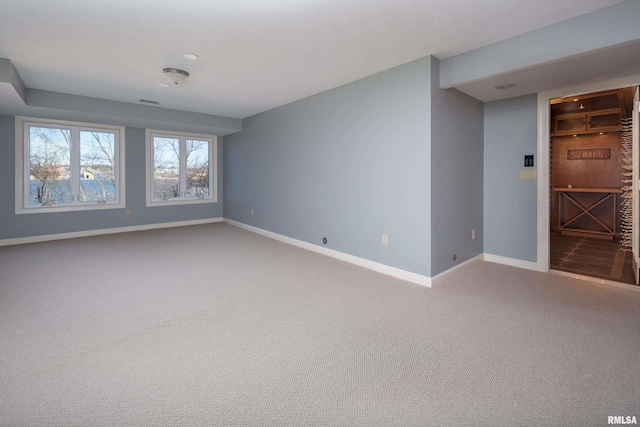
(213,325)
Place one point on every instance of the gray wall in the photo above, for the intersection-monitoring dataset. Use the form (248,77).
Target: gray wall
(456,175)
(510,205)
(350,164)
(14,226)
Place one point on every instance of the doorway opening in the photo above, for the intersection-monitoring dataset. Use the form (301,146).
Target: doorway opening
(590,190)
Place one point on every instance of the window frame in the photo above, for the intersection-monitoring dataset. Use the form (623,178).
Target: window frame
(23,168)
(213,168)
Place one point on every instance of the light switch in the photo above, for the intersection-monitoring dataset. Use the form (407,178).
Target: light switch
(528,175)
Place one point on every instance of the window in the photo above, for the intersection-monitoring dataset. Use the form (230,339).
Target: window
(67,166)
(181,168)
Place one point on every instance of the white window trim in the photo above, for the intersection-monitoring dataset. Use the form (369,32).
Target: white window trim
(22,171)
(213,169)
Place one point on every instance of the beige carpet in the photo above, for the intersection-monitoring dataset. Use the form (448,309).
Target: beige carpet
(213,325)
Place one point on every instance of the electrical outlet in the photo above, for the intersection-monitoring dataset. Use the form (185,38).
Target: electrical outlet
(473,234)
(251,211)
(385,239)
(127,212)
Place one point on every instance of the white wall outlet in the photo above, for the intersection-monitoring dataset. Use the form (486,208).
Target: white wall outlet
(473,234)
(127,212)
(251,211)
(385,240)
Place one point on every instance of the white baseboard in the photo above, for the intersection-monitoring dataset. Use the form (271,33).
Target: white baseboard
(362,262)
(371,265)
(87,233)
(527,265)
(438,278)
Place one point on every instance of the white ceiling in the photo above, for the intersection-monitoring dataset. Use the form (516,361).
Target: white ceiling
(254,54)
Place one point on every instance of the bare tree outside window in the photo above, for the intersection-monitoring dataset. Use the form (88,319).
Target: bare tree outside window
(166,168)
(97,166)
(182,166)
(197,153)
(69,166)
(49,165)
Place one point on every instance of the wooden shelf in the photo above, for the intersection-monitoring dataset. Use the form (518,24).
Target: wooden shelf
(587,190)
(587,211)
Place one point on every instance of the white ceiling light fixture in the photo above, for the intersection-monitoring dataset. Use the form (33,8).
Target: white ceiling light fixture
(176,75)
(505,86)
(191,56)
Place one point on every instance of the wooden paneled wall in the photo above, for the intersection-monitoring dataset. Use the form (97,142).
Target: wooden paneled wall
(593,173)
(584,173)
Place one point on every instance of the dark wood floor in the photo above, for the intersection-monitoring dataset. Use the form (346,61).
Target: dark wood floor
(591,257)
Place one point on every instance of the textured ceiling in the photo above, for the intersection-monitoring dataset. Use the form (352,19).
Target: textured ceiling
(254,54)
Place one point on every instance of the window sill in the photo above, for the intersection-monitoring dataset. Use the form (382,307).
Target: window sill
(20,210)
(178,202)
